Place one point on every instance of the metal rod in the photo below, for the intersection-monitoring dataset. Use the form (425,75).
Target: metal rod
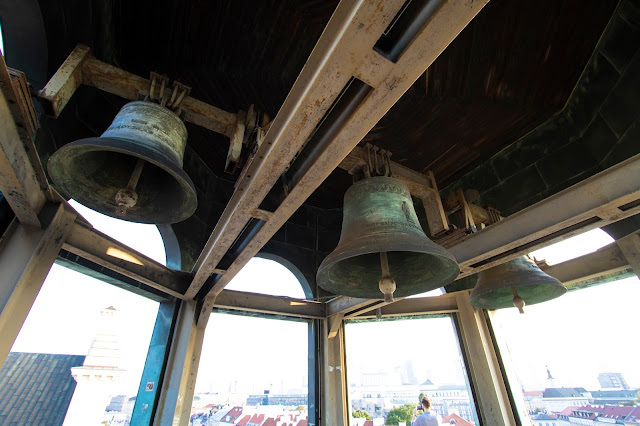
(384,263)
(135,176)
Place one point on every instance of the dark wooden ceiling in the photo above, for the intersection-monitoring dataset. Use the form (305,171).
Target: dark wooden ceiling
(511,69)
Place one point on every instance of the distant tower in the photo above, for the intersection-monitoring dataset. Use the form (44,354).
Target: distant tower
(612,381)
(97,376)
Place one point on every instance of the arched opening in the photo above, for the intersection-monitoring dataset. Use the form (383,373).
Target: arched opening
(255,365)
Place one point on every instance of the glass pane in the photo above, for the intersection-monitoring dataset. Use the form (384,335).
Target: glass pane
(141,237)
(572,356)
(390,364)
(79,355)
(252,369)
(266,276)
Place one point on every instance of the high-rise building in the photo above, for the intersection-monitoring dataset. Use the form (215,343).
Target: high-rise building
(612,381)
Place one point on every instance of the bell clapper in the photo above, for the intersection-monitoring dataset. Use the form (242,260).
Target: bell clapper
(518,301)
(387,284)
(127,198)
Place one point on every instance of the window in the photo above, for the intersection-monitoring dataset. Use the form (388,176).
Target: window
(399,360)
(84,341)
(549,354)
(256,365)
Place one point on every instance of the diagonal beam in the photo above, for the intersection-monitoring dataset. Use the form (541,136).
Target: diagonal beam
(344,50)
(93,245)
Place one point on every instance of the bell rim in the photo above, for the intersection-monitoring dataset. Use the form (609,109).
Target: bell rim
(55,168)
(412,243)
(551,290)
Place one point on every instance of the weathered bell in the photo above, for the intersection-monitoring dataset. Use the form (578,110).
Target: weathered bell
(133,171)
(517,283)
(382,247)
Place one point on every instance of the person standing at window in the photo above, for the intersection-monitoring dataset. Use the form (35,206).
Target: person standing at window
(427,418)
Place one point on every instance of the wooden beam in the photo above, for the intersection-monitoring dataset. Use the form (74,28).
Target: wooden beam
(344,51)
(81,67)
(93,245)
(26,255)
(20,177)
(58,91)
(252,302)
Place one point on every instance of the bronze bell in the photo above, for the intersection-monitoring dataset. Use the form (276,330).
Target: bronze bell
(133,171)
(515,283)
(382,246)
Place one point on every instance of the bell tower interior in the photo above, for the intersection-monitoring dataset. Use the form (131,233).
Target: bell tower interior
(378,149)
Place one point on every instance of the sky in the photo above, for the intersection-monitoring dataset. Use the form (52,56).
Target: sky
(576,336)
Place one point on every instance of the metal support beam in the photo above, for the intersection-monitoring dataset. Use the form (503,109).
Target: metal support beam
(26,255)
(344,51)
(252,302)
(334,410)
(443,304)
(182,367)
(607,260)
(93,245)
(484,367)
(630,248)
(607,197)
(155,365)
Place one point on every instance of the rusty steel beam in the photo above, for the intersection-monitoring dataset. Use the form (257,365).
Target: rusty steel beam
(252,302)
(344,50)
(604,198)
(91,244)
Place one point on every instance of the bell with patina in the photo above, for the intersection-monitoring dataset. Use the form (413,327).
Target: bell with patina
(518,282)
(382,247)
(133,171)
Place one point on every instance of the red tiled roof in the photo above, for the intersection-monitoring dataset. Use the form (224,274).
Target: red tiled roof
(567,411)
(257,419)
(368,423)
(533,393)
(459,420)
(302,423)
(244,420)
(270,422)
(234,414)
(615,412)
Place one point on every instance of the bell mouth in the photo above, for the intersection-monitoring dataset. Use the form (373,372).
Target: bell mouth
(531,293)
(93,170)
(416,264)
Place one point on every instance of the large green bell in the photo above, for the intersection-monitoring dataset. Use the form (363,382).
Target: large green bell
(379,218)
(133,171)
(517,283)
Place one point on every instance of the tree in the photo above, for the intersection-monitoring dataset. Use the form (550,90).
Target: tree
(422,395)
(361,414)
(400,414)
